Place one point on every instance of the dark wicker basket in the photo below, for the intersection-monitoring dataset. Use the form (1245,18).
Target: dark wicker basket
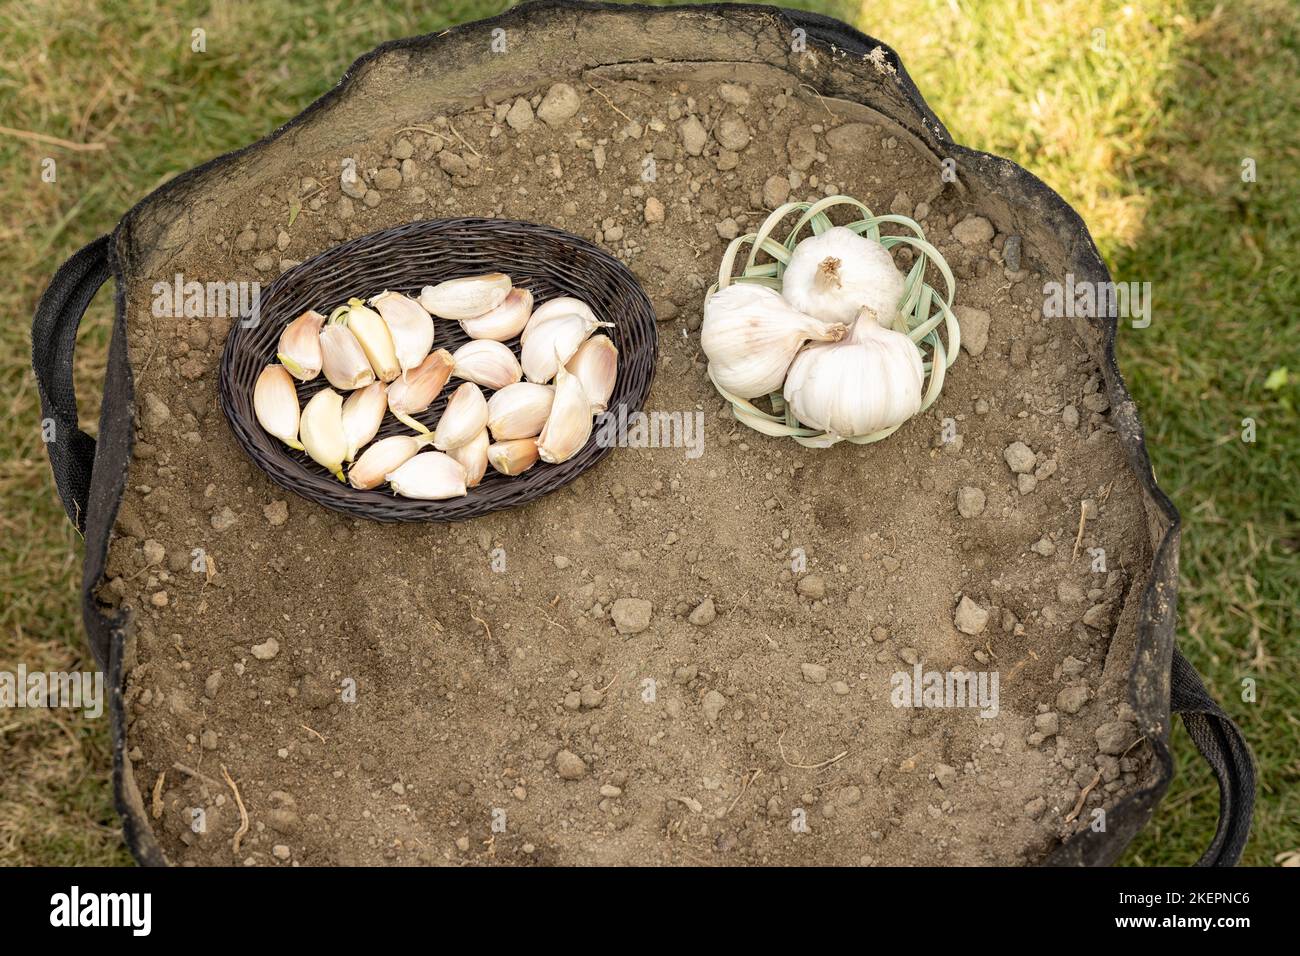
(546,261)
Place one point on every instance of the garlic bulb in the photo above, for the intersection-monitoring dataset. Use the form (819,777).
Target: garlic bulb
(513,457)
(467,297)
(552,342)
(363,413)
(372,333)
(473,458)
(299,349)
(562,305)
(833,275)
(751,335)
(596,365)
(382,458)
(345,363)
(275,402)
(519,410)
(487,363)
(321,429)
(416,391)
(569,425)
(869,382)
(430,476)
(410,326)
(464,417)
(505,321)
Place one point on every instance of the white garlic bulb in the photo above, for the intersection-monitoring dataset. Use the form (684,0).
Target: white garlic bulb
(467,297)
(275,402)
(363,413)
(321,431)
(596,365)
(410,326)
(488,363)
(473,457)
(299,349)
(867,383)
(833,275)
(372,333)
(750,335)
(429,476)
(505,321)
(552,342)
(569,425)
(519,410)
(464,417)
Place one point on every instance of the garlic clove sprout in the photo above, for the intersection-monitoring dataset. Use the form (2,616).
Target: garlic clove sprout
(321,430)
(416,391)
(552,342)
(382,458)
(473,457)
(429,476)
(343,360)
(299,349)
(410,326)
(487,363)
(519,410)
(561,305)
(372,333)
(569,425)
(464,417)
(363,413)
(505,321)
(275,402)
(467,297)
(596,366)
(750,335)
(833,275)
(513,457)
(869,382)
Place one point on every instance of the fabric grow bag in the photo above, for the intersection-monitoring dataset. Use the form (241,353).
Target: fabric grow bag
(564,38)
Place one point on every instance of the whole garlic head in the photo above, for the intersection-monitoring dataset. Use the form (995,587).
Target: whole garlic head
(833,275)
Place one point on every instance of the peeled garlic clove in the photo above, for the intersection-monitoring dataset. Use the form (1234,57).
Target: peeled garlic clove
(750,335)
(467,297)
(505,321)
(473,458)
(463,418)
(372,333)
(513,457)
(343,360)
(833,275)
(552,343)
(363,413)
(275,402)
(487,363)
(381,459)
(322,431)
(416,391)
(563,305)
(569,425)
(410,326)
(299,349)
(429,476)
(519,410)
(596,366)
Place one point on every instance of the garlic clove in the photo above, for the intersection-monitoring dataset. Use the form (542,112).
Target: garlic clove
(275,402)
(463,418)
(513,457)
(487,363)
(363,413)
(467,297)
(372,333)
(519,410)
(596,366)
(299,350)
(343,360)
(552,343)
(473,458)
(416,391)
(561,305)
(505,321)
(321,430)
(569,425)
(410,326)
(429,476)
(751,335)
(382,458)
(833,275)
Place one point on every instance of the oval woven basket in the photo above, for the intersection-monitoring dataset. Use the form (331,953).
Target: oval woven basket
(546,261)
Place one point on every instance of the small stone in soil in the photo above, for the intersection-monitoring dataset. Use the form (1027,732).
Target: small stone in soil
(813,673)
(704,613)
(570,766)
(631,615)
(970,502)
(973,231)
(969,617)
(713,704)
(974,324)
(1019,458)
(267,649)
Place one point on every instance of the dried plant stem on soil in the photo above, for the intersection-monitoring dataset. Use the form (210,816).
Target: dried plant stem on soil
(807,766)
(243,814)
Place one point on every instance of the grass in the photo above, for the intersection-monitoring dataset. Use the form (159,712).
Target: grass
(1142,127)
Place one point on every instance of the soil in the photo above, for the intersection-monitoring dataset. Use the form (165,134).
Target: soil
(673,660)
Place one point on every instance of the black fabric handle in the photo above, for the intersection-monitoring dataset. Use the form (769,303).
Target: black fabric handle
(1225,750)
(54,342)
